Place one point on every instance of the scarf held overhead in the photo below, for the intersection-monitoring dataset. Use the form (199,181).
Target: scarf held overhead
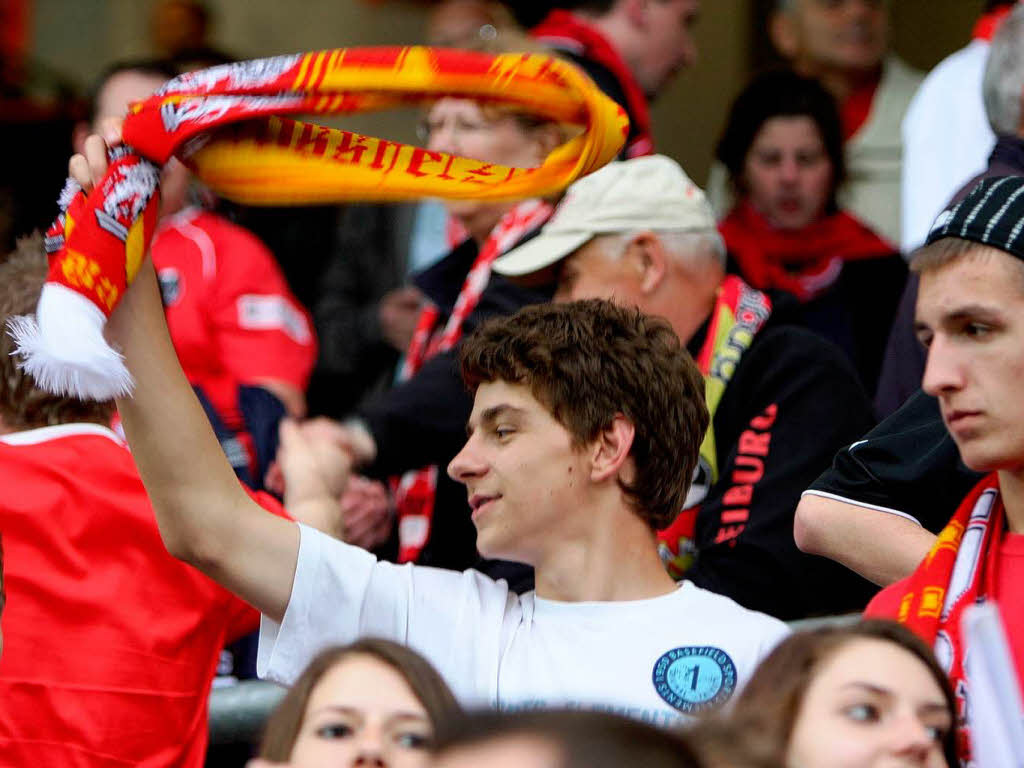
(565,31)
(226,124)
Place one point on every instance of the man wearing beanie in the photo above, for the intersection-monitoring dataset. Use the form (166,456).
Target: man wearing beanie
(781,398)
(970,318)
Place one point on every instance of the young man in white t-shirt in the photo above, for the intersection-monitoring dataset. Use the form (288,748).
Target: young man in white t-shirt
(584,434)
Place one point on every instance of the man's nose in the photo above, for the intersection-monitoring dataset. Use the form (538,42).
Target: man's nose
(942,372)
(466,464)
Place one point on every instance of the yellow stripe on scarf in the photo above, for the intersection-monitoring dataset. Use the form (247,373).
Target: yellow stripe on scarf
(246,155)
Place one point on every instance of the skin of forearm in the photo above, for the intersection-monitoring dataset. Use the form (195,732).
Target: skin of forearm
(881,547)
(205,516)
(181,463)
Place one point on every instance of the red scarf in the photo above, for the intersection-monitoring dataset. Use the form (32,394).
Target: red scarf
(960,570)
(803,262)
(415,490)
(562,30)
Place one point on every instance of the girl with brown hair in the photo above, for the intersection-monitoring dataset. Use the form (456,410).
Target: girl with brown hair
(372,701)
(860,696)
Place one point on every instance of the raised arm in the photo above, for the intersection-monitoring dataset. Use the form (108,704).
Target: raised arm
(205,516)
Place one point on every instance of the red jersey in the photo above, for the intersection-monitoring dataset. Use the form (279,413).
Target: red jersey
(1009,581)
(110,643)
(232,318)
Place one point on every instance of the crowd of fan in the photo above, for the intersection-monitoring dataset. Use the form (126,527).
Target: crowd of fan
(676,431)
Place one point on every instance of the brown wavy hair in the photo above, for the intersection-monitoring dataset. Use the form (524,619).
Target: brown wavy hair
(771,701)
(589,361)
(284,724)
(22,404)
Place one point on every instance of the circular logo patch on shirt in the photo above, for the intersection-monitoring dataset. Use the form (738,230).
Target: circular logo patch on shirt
(694,678)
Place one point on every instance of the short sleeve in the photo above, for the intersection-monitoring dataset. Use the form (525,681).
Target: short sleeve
(908,465)
(459,621)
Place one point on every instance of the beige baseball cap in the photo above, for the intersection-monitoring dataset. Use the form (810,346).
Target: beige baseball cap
(650,192)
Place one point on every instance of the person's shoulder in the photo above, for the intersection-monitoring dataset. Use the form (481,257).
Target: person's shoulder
(226,233)
(861,275)
(898,75)
(782,343)
(968,61)
(94,435)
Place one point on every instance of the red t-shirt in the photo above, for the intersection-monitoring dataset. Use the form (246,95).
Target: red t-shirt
(110,644)
(1009,584)
(232,318)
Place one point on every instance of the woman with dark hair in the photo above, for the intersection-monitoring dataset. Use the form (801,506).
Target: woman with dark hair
(783,149)
(372,701)
(852,697)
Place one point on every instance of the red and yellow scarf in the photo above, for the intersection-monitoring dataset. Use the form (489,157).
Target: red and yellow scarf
(225,123)
(738,315)
(563,30)
(960,570)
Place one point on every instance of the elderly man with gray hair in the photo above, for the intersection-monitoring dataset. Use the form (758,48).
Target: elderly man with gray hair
(781,398)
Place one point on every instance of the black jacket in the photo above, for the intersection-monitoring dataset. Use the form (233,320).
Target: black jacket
(792,401)
(908,465)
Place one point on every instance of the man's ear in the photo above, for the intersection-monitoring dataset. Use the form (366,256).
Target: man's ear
(78,135)
(611,450)
(783,32)
(651,259)
(635,12)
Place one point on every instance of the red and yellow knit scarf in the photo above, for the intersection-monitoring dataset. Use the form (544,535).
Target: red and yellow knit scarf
(226,124)
(738,315)
(959,571)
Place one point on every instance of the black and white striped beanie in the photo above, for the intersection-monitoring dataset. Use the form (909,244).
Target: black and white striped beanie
(991,214)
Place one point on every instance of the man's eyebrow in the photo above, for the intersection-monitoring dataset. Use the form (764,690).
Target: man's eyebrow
(490,415)
(964,312)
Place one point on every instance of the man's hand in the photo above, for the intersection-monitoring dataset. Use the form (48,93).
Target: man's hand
(313,464)
(398,313)
(314,472)
(366,512)
(350,437)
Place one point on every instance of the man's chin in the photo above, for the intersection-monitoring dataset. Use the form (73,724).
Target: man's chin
(979,458)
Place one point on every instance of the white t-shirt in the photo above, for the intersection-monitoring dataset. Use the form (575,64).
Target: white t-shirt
(657,660)
(946,139)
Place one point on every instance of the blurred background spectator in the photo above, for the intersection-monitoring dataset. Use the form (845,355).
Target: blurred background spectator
(782,148)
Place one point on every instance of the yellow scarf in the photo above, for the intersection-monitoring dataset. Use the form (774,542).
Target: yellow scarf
(272,160)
